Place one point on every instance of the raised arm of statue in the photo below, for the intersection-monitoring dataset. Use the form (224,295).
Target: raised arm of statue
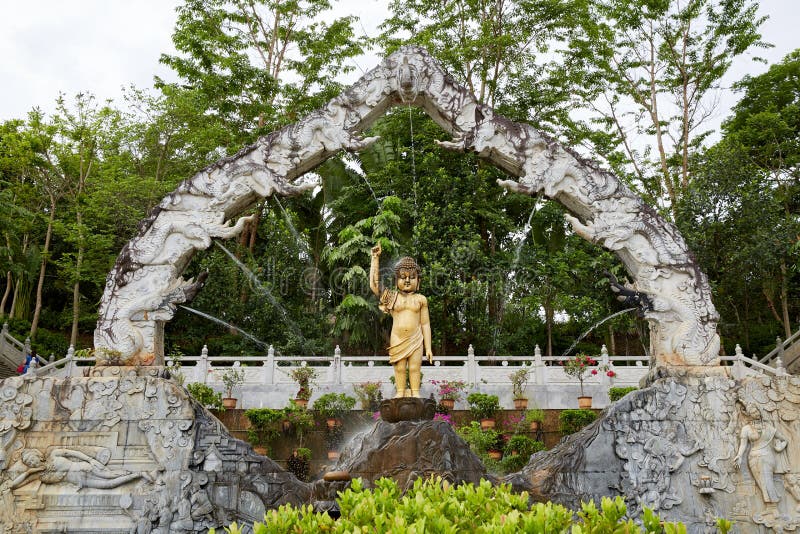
(375,271)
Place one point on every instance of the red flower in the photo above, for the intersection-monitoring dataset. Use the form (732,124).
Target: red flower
(611,373)
(594,371)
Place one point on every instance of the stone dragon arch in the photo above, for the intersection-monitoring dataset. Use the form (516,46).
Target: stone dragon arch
(145,285)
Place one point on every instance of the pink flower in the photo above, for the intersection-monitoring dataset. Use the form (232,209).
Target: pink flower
(376,416)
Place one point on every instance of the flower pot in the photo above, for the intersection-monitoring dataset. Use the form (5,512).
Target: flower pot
(333,455)
(260,449)
(448,403)
(487,424)
(229,403)
(332,422)
(535,425)
(495,455)
(303,403)
(520,404)
(584,403)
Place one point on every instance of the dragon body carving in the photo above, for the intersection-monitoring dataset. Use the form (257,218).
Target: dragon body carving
(145,285)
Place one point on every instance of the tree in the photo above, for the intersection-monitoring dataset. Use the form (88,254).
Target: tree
(643,77)
(748,195)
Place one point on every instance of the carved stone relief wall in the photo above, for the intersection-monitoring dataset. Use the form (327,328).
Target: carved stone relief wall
(145,284)
(692,447)
(126,450)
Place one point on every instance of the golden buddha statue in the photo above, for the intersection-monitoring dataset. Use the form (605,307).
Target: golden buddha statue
(411,326)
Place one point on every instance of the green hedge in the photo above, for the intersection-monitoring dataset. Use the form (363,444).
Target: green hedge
(615,394)
(570,421)
(435,505)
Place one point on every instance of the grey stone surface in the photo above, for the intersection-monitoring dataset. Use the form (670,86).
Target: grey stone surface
(125,450)
(408,450)
(694,445)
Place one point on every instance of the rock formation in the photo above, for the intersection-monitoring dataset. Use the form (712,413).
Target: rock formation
(408,450)
(692,446)
(126,450)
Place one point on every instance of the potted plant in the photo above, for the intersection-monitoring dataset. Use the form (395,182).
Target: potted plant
(205,395)
(519,379)
(300,420)
(369,395)
(332,406)
(450,392)
(232,377)
(577,367)
(265,426)
(304,376)
(535,418)
(299,462)
(484,407)
(333,440)
(480,440)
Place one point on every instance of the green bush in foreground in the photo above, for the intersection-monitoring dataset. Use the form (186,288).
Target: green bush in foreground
(436,506)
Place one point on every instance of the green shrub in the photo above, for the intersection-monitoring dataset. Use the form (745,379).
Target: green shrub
(479,440)
(523,445)
(483,406)
(334,404)
(265,424)
(434,505)
(570,421)
(615,394)
(205,395)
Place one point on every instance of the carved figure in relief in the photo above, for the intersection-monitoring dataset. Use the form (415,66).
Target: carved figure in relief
(202,508)
(80,469)
(411,328)
(766,455)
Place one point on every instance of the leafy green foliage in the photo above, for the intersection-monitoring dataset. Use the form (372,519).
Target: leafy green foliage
(265,424)
(435,505)
(482,405)
(205,395)
(615,394)
(334,404)
(570,421)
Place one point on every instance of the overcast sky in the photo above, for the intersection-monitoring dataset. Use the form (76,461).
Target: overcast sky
(52,46)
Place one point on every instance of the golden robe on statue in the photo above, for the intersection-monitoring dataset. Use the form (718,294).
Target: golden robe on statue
(408,346)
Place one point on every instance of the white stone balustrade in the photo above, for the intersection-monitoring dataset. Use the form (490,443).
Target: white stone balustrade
(267,382)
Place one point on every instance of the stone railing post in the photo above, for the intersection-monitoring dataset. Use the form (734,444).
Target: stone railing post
(337,365)
(605,363)
(202,366)
(27,348)
(472,367)
(3,341)
(269,366)
(738,363)
(70,361)
(779,370)
(539,367)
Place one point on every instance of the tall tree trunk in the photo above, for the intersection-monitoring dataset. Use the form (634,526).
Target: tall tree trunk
(787,325)
(13,313)
(76,288)
(9,281)
(42,268)
(548,319)
(612,345)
